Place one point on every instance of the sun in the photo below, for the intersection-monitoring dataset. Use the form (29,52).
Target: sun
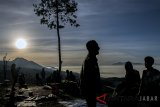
(21,43)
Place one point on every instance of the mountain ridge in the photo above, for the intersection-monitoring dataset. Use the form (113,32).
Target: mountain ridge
(123,63)
(22,62)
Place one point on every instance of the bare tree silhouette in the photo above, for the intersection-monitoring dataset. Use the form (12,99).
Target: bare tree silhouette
(55,14)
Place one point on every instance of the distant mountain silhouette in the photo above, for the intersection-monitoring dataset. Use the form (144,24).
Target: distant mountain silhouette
(21,62)
(24,63)
(29,68)
(123,63)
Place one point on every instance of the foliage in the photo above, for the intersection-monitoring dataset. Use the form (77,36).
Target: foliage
(48,10)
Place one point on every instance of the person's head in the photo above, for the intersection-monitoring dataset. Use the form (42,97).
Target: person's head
(149,61)
(67,71)
(71,72)
(128,66)
(92,47)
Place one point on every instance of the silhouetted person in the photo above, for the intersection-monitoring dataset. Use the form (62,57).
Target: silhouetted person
(67,76)
(43,75)
(150,85)
(14,73)
(21,80)
(72,76)
(49,79)
(130,86)
(90,76)
(38,79)
(56,76)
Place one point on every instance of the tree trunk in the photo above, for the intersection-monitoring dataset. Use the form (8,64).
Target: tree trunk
(59,43)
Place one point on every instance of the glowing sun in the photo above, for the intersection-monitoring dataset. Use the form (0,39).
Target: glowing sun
(21,43)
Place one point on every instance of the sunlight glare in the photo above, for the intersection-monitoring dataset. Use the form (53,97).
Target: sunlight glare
(21,43)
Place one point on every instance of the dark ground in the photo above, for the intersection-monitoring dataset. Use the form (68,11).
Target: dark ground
(41,96)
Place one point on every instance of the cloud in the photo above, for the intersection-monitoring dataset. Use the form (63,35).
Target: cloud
(124,29)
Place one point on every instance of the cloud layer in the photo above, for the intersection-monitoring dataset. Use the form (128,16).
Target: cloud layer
(125,30)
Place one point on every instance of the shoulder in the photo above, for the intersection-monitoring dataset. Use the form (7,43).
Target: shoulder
(87,60)
(156,71)
(144,71)
(136,71)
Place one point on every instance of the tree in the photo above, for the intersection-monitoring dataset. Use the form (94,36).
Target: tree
(56,14)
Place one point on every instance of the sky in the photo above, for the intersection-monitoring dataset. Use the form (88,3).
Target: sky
(126,30)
